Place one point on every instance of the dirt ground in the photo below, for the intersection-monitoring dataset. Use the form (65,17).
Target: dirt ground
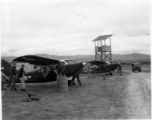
(117,97)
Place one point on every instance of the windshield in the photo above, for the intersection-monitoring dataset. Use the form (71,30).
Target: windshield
(136,64)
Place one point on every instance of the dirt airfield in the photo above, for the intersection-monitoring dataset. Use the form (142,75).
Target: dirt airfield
(117,97)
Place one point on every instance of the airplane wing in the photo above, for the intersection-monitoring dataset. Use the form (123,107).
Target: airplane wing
(94,62)
(70,60)
(36,60)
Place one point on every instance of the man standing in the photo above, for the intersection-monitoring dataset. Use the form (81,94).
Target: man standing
(13,72)
(22,78)
(4,80)
(119,69)
(88,69)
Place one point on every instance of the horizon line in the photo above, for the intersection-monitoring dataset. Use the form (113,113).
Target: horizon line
(71,55)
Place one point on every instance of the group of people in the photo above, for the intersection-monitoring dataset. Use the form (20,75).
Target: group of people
(14,75)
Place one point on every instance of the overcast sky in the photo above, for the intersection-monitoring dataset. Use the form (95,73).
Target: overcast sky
(67,27)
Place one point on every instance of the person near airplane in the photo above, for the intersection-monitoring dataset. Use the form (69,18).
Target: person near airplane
(119,69)
(22,77)
(13,73)
(4,80)
(88,69)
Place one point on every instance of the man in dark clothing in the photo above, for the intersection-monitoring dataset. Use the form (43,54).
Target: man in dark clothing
(13,73)
(22,78)
(119,69)
(88,69)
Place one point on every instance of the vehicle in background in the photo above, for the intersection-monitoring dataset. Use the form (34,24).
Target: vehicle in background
(136,67)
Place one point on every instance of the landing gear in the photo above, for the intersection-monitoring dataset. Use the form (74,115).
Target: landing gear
(111,73)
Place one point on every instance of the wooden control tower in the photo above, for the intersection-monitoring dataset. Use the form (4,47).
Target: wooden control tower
(102,51)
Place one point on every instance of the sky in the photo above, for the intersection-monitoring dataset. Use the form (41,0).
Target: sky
(67,27)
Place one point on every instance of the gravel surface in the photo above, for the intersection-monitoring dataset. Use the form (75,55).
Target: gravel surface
(138,96)
(117,97)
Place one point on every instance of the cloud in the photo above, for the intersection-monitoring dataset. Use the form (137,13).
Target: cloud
(68,27)
(130,31)
(124,44)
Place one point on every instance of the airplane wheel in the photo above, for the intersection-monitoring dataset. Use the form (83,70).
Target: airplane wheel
(110,73)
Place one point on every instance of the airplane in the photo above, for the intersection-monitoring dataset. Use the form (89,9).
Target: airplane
(49,68)
(100,67)
(39,74)
(45,72)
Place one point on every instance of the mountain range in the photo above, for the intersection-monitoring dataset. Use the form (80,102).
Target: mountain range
(115,57)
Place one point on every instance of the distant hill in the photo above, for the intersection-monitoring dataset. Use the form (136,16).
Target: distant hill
(133,56)
(115,57)
(9,59)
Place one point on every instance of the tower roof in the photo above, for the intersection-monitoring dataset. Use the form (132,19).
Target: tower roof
(103,37)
